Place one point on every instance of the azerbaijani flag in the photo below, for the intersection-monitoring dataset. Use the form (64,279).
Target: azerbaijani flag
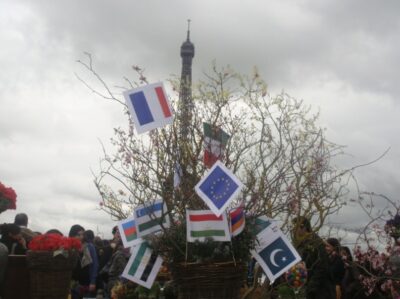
(215,140)
(204,224)
(127,229)
(150,216)
(237,218)
(149,107)
(143,265)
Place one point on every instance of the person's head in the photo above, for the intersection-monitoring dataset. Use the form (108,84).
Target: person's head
(54,231)
(10,231)
(345,252)
(332,246)
(88,236)
(116,234)
(76,231)
(301,227)
(21,219)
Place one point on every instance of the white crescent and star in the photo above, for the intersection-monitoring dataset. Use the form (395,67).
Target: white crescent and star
(272,257)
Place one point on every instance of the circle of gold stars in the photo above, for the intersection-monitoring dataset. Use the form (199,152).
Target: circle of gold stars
(219,196)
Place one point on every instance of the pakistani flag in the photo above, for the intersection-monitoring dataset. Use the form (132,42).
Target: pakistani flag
(215,140)
(143,265)
(274,253)
(204,224)
(150,216)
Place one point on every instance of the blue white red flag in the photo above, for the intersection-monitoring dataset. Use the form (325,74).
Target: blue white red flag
(128,232)
(237,220)
(150,216)
(275,253)
(149,107)
(143,265)
(218,188)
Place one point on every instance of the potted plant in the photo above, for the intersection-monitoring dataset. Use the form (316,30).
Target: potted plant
(51,259)
(274,147)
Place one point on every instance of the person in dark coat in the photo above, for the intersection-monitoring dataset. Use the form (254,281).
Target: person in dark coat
(312,251)
(12,238)
(351,286)
(332,246)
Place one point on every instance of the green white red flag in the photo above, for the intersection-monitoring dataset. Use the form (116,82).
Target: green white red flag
(204,224)
(215,140)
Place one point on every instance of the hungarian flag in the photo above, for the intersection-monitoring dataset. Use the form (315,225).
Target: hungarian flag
(215,140)
(204,224)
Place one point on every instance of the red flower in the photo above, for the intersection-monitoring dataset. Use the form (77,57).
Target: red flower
(52,242)
(8,194)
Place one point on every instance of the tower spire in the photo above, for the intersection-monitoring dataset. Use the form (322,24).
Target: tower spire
(185,94)
(188,31)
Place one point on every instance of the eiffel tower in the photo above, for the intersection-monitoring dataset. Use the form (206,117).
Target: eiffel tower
(185,94)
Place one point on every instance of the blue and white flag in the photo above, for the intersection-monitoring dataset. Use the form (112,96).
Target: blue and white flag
(218,188)
(143,265)
(275,253)
(149,107)
(150,216)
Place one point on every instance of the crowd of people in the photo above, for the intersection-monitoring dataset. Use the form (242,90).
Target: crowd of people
(100,265)
(331,272)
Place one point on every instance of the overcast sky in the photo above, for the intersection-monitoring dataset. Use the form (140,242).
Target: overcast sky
(342,57)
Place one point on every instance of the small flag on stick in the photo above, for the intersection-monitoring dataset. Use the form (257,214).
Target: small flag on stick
(150,216)
(149,107)
(237,218)
(218,188)
(275,253)
(143,266)
(127,229)
(204,224)
(215,140)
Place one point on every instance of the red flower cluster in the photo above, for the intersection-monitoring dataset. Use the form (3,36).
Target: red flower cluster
(8,198)
(51,242)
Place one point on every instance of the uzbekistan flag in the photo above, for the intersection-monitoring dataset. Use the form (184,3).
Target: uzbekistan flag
(149,216)
(237,220)
(149,107)
(127,229)
(143,266)
(215,140)
(204,224)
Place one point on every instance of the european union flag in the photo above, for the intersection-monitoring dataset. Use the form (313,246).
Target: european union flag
(218,188)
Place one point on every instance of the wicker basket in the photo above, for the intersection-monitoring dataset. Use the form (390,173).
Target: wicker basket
(209,281)
(50,276)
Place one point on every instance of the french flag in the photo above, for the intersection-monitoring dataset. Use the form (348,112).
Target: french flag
(149,107)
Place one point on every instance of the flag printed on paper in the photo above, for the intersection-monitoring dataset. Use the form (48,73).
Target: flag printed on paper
(149,107)
(127,229)
(204,224)
(143,265)
(261,223)
(215,140)
(237,218)
(275,253)
(218,188)
(149,217)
